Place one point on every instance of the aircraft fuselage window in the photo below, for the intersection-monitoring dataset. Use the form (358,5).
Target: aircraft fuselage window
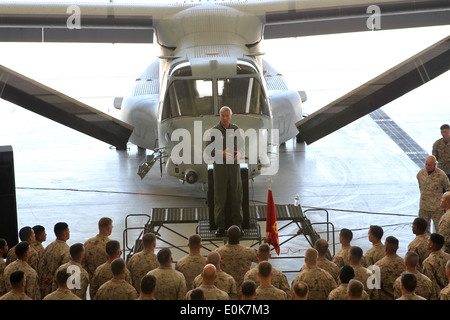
(243,95)
(191,97)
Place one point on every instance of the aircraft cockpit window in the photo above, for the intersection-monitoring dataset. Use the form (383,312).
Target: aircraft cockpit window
(189,97)
(242,95)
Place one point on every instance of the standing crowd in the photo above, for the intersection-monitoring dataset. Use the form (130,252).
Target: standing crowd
(94,270)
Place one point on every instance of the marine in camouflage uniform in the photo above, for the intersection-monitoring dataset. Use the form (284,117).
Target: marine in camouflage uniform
(444,229)
(278,280)
(170,283)
(411,296)
(340,293)
(329,266)
(419,244)
(441,149)
(319,281)
(374,254)
(103,274)
(144,261)
(236,258)
(192,265)
(62,294)
(361,273)
(95,247)
(210,291)
(55,254)
(431,181)
(31,276)
(391,267)
(424,286)
(265,290)
(434,265)
(116,289)
(15,295)
(269,292)
(223,281)
(345,237)
(83,280)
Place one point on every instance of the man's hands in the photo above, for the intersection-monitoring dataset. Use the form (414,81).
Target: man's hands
(228,156)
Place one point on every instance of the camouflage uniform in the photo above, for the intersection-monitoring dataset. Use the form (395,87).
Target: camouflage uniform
(84,279)
(31,276)
(269,292)
(373,255)
(116,289)
(62,294)
(341,258)
(340,293)
(14,295)
(445,293)
(56,254)
(444,229)
(424,286)
(237,260)
(223,281)
(170,284)
(103,274)
(140,264)
(411,296)
(278,280)
(327,265)
(39,248)
(319,281)
(431,186)
(33,261)
(391,267)
(362,274)
(211,292)
(95,253)
(191,266)
(441,151)
(420,246)
(434,268)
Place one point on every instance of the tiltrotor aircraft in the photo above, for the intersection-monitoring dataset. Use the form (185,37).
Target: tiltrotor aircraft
(212,55)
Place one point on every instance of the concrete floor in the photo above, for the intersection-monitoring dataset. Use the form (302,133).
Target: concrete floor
(358,173)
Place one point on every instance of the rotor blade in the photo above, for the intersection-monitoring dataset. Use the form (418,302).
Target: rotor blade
(54,105)
(392,84)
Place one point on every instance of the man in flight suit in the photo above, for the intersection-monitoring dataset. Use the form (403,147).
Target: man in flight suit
(227,173)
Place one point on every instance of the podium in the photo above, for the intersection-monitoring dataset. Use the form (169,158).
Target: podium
(245,200)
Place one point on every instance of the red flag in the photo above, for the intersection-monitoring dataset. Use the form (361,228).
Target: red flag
(271,224)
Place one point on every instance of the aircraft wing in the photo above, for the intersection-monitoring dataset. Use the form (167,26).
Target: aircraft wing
(121,21)
(392,84)
(54,105)
(310,17)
